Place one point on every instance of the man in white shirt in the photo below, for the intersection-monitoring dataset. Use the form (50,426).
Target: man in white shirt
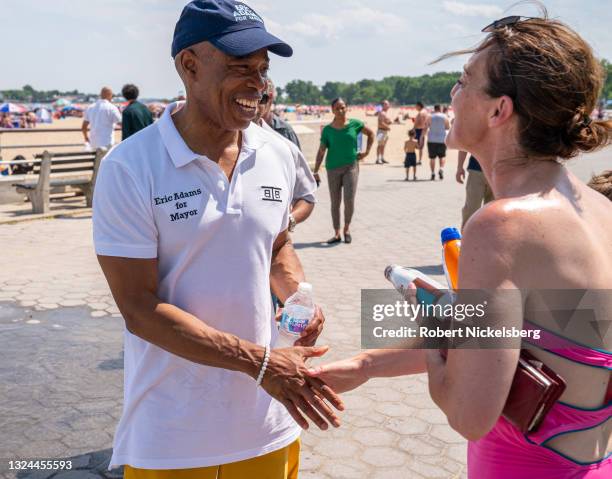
(190,228)
(438,125)
(102,117)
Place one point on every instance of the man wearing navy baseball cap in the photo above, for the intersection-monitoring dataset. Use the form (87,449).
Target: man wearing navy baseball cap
(190,228)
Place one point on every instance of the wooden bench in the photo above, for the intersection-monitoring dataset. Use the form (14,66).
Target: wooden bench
(78,170)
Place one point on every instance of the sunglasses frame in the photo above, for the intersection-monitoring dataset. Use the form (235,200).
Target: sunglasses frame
(508,21)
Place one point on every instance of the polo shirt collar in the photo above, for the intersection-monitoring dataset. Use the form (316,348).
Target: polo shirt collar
(181,154)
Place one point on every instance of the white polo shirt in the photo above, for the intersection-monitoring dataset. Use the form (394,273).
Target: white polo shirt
(102,116)
(305,184)
(155,198)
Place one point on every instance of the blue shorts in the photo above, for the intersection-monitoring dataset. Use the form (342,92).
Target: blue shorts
(410,160)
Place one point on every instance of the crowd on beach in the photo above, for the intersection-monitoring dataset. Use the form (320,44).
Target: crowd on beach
(23,120)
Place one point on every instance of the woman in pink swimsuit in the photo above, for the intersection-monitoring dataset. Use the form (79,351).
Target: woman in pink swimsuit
(522,107)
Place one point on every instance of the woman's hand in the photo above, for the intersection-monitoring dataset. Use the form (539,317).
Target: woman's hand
(341,376)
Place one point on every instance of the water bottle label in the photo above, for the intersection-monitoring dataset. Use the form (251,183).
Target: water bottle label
(292,325)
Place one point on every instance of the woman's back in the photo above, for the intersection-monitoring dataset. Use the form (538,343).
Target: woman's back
(565,263)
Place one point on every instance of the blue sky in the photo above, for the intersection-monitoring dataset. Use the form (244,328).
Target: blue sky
(67,44)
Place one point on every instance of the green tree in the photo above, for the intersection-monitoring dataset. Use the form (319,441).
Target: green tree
(279,94)
(300,91)
(332,90)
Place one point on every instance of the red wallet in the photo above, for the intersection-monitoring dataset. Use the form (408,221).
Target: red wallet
(534,391)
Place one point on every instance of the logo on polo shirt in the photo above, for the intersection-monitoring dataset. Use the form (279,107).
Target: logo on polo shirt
(271,193)
(179,201)
(243,13)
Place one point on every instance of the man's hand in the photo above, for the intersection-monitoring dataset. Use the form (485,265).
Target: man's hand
(362,155)
(460,176)
(341,376)
(287,382)
(317,178)
(309,336)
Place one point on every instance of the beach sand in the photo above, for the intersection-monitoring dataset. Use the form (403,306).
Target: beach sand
(394,152)
(42,136)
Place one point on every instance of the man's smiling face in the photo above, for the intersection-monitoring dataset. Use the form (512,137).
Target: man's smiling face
(227,88)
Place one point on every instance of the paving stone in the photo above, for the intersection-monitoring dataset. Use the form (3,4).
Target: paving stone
(340,470)
(409,425)
(416,446)
(394,473)
(458,452)
(375,436)
(71,302)
(394,409)
(384,456)
(446,434)
(332,449)
(428,470)
(310,461)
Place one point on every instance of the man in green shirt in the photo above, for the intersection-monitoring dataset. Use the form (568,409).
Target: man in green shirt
(136,116)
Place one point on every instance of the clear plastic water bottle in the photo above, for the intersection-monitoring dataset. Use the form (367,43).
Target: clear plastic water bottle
(298,311)
(428,291)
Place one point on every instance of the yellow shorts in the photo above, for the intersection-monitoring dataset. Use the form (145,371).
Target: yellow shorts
(281,464)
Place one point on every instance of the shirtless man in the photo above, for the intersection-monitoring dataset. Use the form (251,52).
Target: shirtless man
(420,126)
(382,135)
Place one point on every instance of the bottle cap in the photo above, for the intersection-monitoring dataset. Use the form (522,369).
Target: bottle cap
(388,270)
(449,234)
(305,288)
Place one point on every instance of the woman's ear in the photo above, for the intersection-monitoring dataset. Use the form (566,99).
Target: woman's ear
(503,110)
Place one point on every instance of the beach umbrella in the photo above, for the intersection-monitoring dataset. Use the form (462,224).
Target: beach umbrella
(61,102)
(12,108)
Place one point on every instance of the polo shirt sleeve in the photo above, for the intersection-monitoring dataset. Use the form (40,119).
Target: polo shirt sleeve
(123,223)
(116,114)
(86,115)
(358,125)
(292,136)
(305,184)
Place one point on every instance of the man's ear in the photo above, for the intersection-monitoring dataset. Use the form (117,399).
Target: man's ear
(502,112)
(187,63)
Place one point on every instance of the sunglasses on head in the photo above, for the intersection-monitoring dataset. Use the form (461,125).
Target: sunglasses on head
(506,22)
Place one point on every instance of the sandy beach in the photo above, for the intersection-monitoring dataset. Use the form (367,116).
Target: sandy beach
(42,136)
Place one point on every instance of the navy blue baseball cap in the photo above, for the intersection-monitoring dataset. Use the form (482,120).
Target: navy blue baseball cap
(232,27)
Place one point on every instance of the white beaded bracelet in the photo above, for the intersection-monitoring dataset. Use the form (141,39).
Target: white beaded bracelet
(264,366)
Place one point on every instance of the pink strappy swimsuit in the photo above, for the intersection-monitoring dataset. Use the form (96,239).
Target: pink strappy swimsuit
(506,453)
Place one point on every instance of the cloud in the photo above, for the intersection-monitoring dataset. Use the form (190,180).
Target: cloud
(472,9)
(321,29)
